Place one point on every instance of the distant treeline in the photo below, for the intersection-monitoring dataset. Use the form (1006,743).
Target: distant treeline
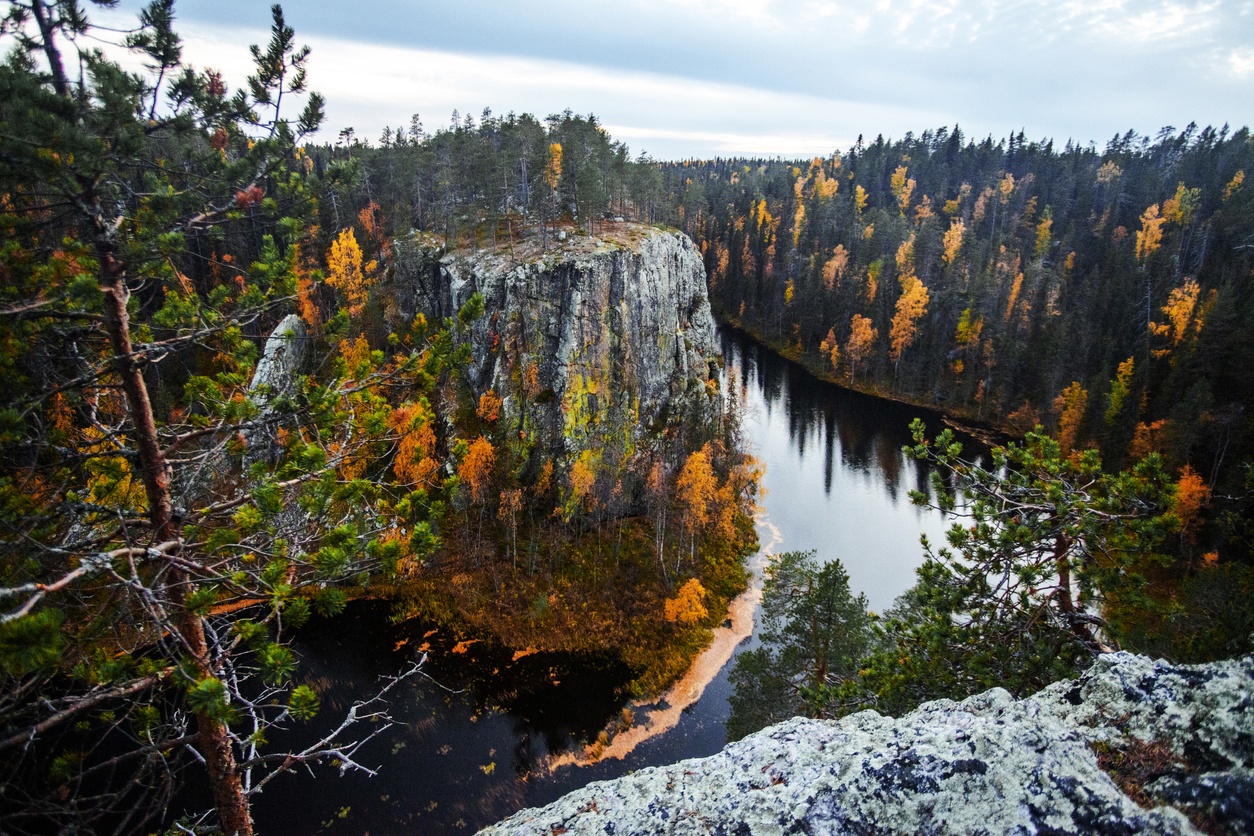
(1104,294)
(476,181)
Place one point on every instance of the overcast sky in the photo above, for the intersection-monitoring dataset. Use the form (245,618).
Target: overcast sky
(703,78)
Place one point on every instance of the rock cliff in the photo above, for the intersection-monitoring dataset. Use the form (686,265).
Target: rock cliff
(588,343)
(1081,756)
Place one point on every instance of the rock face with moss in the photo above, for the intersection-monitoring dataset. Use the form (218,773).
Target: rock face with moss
(1129,747)
(589,341)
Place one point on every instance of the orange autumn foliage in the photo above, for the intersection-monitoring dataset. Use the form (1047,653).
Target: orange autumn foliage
(414,463)
(911,306)
(1070,406)
(696,488)
(862,337)
(1192,496)
(475,471)
(489,406)
(687,607)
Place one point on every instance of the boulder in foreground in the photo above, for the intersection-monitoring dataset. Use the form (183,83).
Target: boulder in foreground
(1067,760)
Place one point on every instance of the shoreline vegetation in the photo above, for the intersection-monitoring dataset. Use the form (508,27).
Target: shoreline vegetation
(958,418)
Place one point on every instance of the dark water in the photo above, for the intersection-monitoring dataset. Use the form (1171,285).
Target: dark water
(837,480)
(471,749)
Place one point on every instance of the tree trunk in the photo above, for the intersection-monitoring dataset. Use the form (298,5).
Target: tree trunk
(1066,605)
(212,734)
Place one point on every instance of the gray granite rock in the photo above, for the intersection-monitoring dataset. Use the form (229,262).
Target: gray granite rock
(273,380)
(988,764)
(618,328)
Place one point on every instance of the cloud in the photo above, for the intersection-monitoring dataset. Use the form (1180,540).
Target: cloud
(683,77)
(1241,62)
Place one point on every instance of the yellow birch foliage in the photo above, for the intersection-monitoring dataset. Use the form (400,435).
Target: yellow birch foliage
(1152,438)
(968,332)
(981,204)
(902,187)
(583,480)
(1150,236)
(825,187)
(306,303)
(953,240)
(1180,207)
(897,182)
(723,261)
(1044,233)
(923,211)
(371,223)
(553,167)
(830,347)
(696,487)
(1181,303)
(1109,173)
(1015,287)
(873,278)
(834,268)
(862,337)
(911,306)
(1233,185)
(544,482)
(1119,388)
(1070,406)
(859,198)
(905,256)
(724,513)
(1006,187)
(414,464)
(356,354)
(344,270)
(687,607)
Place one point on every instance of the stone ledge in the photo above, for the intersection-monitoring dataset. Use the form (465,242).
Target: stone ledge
(988,764)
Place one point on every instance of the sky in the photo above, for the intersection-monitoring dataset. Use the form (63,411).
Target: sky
(791,78)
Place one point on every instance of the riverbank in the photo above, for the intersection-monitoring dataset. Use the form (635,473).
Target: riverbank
(654,717)
(603,590)
(959,418)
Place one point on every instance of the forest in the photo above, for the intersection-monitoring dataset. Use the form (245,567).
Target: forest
(1104,295)
(214,433)
(174,505)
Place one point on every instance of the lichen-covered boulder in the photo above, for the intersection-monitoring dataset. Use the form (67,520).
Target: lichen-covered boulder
(988,764)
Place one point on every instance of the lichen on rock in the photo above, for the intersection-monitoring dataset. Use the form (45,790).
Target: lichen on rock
(988,764)
(596,340)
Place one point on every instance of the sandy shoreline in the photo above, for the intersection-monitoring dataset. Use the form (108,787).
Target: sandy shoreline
(685,692)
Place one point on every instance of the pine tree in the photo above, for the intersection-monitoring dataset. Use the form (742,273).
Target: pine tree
(168,498)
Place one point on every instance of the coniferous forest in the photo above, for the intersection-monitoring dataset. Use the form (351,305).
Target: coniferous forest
(176,500)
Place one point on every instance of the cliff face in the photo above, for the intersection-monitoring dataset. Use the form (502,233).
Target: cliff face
(587,343)
(1175,736)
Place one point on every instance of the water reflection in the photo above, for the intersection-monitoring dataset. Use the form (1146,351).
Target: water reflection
(837,480)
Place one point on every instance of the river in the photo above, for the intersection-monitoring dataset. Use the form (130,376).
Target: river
(474,744)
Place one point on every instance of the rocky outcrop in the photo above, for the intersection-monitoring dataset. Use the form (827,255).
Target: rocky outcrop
(1063,761)
(595,338)
(273,382)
